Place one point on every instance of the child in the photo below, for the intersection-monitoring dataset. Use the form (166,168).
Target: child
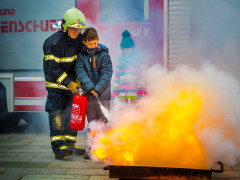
(127,84)
(94,71)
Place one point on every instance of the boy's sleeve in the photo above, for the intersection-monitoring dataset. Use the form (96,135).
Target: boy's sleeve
(105,74)
(116,84)
(82,75)
(52,66)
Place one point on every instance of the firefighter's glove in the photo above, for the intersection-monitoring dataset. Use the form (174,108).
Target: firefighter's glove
(78,82)
(94,93)
(73,87)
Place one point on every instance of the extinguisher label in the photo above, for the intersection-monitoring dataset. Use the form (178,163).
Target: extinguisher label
(75,118)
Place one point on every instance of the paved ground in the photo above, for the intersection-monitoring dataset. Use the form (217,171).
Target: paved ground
(28,156)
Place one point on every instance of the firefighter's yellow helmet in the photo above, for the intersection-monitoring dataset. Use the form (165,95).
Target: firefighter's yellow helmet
(73,18)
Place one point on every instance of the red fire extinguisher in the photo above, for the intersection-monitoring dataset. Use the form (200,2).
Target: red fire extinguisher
(79,108)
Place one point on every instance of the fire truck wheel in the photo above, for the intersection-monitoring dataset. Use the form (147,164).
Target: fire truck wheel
(9,121)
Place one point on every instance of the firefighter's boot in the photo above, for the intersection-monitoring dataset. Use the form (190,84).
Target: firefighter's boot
(75,149)
(78,151)
(63,152)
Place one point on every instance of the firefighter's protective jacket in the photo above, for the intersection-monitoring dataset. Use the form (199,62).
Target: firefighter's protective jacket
(60,53)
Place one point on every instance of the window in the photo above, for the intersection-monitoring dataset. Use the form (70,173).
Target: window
(124,11)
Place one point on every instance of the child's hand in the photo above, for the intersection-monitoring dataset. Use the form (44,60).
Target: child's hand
(94,93)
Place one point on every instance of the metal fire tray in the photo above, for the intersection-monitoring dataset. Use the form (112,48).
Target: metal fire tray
(161,173)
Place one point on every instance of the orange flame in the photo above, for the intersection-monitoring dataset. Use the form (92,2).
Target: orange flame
(166,139)
(93,134)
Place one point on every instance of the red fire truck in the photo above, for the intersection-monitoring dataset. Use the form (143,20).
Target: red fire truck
(25,25)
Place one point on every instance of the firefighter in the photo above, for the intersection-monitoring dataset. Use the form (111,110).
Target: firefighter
(60,53)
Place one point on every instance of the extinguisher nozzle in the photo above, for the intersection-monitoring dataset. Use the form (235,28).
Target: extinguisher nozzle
(98,100)
(103,109)
(80,90)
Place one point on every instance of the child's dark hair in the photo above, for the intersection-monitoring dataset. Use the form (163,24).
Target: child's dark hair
(90,34)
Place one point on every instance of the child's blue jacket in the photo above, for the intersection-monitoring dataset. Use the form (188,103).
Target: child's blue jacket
(94,71)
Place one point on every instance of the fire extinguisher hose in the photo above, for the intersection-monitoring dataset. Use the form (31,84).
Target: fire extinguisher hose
(103,109)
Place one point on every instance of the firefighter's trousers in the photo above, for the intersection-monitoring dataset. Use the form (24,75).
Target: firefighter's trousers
(59,107)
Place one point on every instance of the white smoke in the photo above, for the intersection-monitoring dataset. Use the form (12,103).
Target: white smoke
(220,111)
(218,121)
(211,67)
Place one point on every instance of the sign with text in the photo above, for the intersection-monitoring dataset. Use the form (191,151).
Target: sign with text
(24,26)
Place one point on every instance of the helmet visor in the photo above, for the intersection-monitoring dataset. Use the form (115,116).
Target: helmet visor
(79,25)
